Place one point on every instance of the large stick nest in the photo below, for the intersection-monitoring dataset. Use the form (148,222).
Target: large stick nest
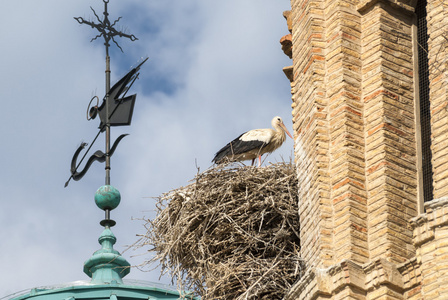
(231,234)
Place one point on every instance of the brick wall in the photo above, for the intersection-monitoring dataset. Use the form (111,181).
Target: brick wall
(346,129)
(390,154)
(310,125)
(354,121)
(355,148)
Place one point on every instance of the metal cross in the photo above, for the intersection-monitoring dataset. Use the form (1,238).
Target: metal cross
(108,32)
(106,29)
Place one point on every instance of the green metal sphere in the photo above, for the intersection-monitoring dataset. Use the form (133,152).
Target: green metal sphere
(107,197)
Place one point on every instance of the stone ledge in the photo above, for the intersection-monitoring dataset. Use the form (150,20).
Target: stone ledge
(286,42)
(406,5)
(411,273)
(330,281)
(424,225)
(287,15)
(436,203)
(310,286)
(289,74)
(383,272)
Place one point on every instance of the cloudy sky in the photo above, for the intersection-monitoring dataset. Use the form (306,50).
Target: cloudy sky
(214,71)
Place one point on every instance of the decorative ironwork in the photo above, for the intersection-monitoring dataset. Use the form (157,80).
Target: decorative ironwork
(99,156)
(116,108)
(106,29)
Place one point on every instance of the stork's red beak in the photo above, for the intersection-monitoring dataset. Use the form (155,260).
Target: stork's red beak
(286,130)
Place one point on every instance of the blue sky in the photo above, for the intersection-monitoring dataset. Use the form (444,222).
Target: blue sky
(214,71)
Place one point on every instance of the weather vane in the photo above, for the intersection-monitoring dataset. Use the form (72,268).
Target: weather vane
(116,109)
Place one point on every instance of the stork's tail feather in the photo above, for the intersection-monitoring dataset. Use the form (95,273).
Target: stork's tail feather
(220,158)
(223,154)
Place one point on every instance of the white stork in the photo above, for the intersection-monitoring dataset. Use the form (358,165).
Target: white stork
(254,143)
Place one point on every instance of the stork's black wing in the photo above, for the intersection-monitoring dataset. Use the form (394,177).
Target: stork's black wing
(237,146)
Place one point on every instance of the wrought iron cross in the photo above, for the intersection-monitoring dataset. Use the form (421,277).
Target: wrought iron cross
(106,29)
(116,109)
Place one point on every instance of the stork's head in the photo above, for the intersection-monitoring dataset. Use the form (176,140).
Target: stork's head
(277,122)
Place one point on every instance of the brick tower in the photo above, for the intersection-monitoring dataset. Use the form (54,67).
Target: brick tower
(369,117)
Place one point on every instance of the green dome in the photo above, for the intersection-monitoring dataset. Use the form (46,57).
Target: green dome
(85,290)
(107,197)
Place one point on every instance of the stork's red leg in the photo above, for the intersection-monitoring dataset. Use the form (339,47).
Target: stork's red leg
(259,161)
